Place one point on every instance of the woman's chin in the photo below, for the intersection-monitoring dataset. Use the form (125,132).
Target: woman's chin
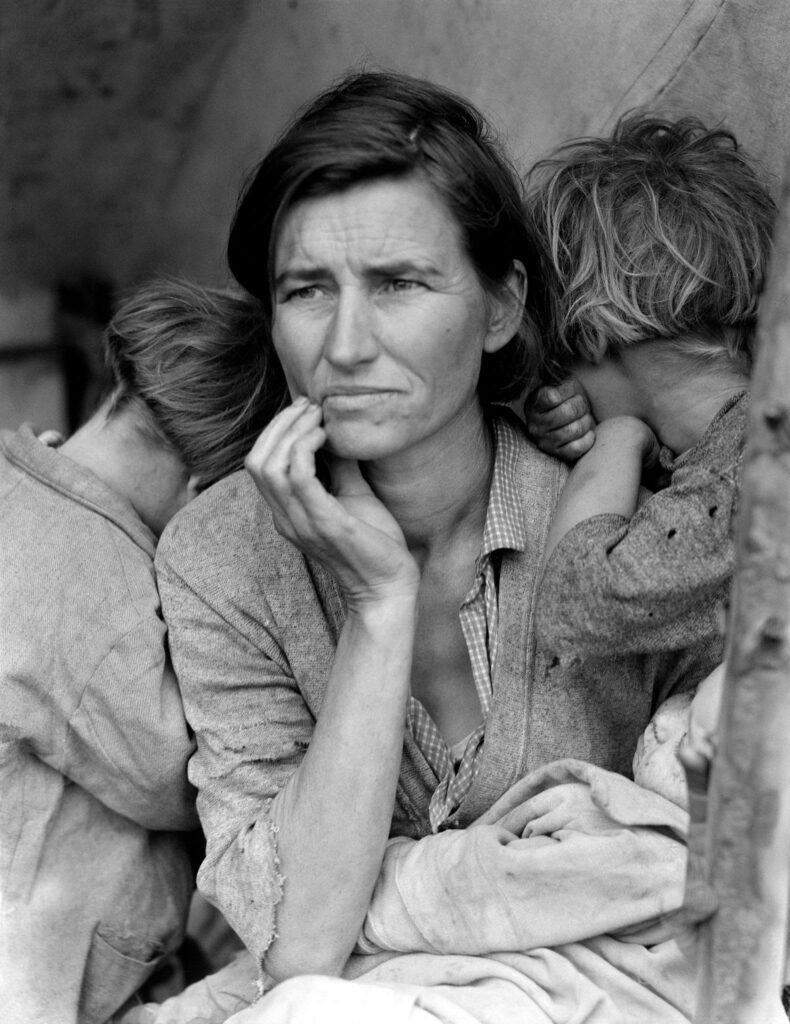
(358,443)
(356,450)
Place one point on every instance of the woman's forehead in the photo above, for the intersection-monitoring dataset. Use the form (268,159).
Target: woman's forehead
(383,220)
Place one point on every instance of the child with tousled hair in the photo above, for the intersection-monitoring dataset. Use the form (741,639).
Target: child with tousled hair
(94,866)
(660,237)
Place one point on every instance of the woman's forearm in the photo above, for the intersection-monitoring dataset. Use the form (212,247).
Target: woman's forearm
(334,813)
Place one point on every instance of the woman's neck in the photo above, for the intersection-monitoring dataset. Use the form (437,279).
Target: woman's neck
(438,492)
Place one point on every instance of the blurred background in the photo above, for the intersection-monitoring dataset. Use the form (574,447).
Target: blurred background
(128,126)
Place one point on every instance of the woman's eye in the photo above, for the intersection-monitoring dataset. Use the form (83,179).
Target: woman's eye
(402,284)
(308,291)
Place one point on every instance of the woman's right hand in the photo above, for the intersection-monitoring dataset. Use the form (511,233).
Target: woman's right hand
(350,532)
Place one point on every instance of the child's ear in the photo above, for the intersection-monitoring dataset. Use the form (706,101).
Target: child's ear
(194,487)
(507,309)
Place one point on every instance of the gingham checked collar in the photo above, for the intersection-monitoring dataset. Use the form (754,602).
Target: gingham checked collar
(504,529)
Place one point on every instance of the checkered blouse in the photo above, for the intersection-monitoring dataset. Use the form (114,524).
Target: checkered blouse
(504,530)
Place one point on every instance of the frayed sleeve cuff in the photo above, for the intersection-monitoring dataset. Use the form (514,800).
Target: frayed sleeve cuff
(246,883)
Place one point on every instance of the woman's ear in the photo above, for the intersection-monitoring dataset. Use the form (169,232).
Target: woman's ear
(507,309)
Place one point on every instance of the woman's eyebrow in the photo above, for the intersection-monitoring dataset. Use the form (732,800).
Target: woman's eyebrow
(306,272)
(385,268)
(402,268)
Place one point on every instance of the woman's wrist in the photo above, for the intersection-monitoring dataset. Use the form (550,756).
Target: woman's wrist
(386,607)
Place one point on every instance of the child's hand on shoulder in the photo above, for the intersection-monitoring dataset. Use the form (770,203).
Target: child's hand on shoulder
(559,420)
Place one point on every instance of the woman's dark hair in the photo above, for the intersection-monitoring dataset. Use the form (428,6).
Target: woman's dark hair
(386,125)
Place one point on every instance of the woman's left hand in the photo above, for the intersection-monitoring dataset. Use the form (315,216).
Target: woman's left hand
(569,805)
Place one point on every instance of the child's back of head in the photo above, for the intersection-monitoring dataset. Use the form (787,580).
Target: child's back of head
(195,365)
(661,230)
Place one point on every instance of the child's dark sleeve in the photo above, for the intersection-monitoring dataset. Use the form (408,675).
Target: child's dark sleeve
(650,584)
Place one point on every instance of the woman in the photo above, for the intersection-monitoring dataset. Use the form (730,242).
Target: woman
(96,807)
(337,695)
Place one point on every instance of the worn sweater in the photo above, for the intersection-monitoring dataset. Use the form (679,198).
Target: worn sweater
(659,581)
(94,876)
(253,626)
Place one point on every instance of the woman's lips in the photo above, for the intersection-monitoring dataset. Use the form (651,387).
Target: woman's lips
(356,399)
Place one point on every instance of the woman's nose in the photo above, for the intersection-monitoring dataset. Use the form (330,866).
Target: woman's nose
(350,336)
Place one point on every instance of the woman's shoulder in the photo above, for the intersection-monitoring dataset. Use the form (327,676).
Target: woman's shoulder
(228,529)
(228,513)
(535,475)
(223,552)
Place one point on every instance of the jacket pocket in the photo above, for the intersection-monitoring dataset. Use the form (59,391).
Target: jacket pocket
(110,978)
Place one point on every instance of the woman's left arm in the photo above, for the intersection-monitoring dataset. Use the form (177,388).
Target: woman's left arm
(559,867)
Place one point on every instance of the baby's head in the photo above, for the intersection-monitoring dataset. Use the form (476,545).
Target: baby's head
(656,765)
(684,720)
(660,230)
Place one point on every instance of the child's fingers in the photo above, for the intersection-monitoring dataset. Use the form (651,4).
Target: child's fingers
(551,395)
(541,423)
(568,442)
(570,430)
(572,410)
(572,451)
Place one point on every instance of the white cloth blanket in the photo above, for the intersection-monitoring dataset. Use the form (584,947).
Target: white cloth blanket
(563,856)
(558,906)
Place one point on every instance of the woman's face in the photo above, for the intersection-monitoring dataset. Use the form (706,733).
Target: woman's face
(379,316)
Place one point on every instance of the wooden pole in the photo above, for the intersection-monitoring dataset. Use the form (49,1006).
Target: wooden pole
(747,844)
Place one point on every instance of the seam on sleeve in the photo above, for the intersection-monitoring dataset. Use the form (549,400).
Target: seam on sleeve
(81,700)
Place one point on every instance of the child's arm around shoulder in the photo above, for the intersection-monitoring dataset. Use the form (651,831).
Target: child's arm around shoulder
(622,576)
(605,480)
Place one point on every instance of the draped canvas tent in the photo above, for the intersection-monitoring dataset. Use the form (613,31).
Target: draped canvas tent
(129,125)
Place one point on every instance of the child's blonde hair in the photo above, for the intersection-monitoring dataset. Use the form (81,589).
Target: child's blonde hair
(197,365)
(661,230)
